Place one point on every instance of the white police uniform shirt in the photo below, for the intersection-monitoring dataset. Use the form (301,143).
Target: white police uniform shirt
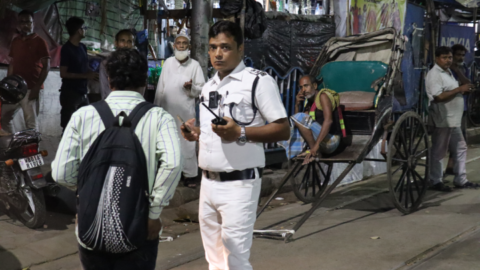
(218,155)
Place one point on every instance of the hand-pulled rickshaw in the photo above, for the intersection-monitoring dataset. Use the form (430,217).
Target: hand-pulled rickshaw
(368,64)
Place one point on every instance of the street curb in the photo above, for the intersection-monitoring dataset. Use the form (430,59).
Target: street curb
(431,252)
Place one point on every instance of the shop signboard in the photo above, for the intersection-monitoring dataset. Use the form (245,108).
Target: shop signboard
(451,34)
(367,16)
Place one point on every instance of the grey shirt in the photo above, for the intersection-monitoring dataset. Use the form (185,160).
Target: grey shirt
(103,78)
(444,114)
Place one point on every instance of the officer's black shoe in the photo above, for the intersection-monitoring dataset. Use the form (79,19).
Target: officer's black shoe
(468,184)
(441,187)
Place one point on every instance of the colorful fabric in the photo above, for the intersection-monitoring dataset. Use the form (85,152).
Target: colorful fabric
(335,100)
(332,95)
(295,145)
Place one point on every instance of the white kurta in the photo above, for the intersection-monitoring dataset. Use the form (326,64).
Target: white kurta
(177,100)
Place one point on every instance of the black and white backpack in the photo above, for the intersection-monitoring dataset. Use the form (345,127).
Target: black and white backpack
(113,191)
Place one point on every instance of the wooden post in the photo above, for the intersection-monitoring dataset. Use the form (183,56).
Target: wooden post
(200,23)
(242,18)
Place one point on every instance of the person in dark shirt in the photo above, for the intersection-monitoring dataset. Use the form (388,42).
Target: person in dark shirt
(74,71)
(30,59)
(461,73)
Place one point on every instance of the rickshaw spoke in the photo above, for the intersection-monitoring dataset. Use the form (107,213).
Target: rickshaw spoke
(415,182)
(404,136)
(410,188)
(410,144)
(415,135)
(419,154)
(314,178)
(403,142)
(400,160)
(318,178)
(407,190)
(398,150)
(394,172)
(298,170)
(422,179)
(305,176)
(401,189)
(419,141)
(400,181)
(321,170)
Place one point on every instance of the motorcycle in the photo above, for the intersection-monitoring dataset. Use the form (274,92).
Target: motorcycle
(22,183)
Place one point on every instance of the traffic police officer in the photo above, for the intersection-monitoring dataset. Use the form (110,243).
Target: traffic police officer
(232,155)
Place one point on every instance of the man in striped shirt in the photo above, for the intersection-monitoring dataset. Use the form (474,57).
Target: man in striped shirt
(157,132)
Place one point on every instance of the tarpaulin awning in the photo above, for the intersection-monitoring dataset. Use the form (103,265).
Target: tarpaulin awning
(469,3)
(33,5)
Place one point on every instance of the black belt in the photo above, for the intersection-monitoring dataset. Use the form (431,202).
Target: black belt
(246,174)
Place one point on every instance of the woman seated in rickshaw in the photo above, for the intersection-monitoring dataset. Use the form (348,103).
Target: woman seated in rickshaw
(318,125)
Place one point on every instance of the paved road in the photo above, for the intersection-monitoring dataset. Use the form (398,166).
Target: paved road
(462,255)
(333,238)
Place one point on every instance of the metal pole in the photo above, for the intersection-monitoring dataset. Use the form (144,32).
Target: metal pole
(475,24)
(201,18)
(326,7)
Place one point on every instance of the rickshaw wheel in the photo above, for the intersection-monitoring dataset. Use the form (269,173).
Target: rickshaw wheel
(310,181)
(473,112)
(408,162)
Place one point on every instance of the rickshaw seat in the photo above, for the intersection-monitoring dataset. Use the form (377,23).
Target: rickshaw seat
(346,77)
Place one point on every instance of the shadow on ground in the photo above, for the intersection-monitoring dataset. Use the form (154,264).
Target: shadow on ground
(8,260)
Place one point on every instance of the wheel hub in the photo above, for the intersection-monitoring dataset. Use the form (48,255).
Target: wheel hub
(412,162)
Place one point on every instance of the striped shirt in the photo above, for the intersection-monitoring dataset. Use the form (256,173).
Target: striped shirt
(157,132)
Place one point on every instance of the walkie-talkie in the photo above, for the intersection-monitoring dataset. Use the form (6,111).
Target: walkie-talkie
(217,121)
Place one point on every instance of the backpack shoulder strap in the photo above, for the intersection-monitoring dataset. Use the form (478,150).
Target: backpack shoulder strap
(105,113)
(138,112)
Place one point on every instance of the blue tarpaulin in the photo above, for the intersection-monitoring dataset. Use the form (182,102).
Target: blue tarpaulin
(411,77)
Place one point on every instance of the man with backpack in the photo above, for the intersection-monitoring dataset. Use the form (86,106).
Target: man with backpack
(123,154)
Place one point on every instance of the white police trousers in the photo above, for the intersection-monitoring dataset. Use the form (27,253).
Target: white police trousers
(227,213)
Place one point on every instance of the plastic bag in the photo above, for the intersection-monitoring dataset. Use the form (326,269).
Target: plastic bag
(230,7)
(255,20)
(154,75)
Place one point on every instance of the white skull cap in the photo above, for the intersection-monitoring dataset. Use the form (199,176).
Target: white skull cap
(182,34)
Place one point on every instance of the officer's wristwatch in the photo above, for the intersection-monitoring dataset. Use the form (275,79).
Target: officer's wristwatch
(243,137)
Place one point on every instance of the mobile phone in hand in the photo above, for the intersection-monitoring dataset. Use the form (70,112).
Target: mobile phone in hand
(187,128)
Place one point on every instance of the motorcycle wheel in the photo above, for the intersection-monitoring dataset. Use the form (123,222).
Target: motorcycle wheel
(35,212)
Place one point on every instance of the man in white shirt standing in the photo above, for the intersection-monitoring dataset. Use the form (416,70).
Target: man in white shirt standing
(446,109)
(180,83)
(232,155)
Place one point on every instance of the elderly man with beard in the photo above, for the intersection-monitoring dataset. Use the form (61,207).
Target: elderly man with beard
(179,85)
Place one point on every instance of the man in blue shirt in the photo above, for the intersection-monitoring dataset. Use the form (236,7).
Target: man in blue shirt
(74,71)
